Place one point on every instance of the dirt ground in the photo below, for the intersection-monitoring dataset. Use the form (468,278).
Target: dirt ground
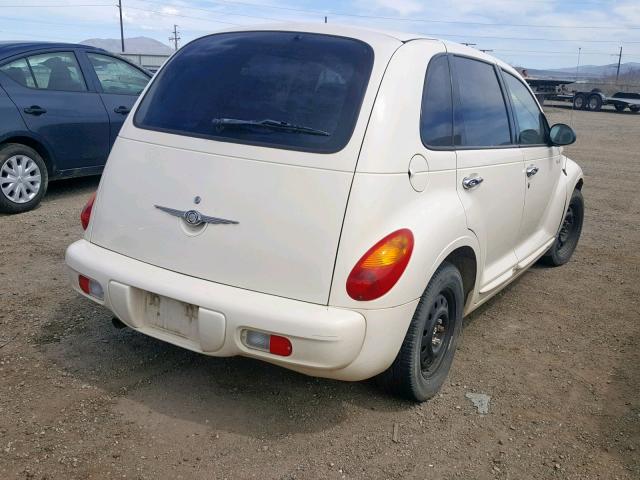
(557,352)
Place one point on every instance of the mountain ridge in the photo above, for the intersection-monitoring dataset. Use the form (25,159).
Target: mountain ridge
(138,45)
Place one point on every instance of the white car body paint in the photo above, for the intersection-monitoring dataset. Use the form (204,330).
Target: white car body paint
(305,219)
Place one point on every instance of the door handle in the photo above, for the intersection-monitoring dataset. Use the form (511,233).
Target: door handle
(35,110)
(532,170)
(471,182)
(122,110)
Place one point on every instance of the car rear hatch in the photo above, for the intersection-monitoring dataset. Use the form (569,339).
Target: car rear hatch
(200,184)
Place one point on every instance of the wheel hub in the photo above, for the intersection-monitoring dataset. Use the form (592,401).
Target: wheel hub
(20,179)
(435,336)
(567,227)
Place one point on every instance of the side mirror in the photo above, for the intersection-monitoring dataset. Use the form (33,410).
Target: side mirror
(561,134)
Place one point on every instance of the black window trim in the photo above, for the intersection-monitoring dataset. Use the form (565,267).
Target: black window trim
(507,104)
(254,143)
(515,119)
(436,148)
(30,53)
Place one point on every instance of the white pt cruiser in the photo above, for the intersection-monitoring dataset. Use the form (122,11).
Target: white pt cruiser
(327,199)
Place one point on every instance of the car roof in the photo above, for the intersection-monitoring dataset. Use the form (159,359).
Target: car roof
(359,33)
(8,49)
(368,35)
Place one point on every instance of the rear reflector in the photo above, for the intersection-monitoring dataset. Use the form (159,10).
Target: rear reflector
(266,342)
(90,287)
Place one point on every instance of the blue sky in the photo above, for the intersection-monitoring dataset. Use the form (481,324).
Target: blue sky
(531,33)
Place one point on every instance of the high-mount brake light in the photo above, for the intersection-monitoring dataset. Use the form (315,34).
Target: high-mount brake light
(381,267)
(85,215)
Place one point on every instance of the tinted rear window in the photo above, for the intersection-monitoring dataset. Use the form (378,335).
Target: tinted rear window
(481,118)
(308,80)
(436,120)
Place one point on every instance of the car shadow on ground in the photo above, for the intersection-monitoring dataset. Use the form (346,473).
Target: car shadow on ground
(61,189)
(71,186)
(161,382)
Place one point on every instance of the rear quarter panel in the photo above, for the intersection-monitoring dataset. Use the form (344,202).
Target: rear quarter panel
(382,198)
(12,123)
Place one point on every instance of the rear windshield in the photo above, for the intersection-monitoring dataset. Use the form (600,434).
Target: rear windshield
(291,90)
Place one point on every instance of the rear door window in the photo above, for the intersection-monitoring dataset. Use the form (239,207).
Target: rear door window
(117,76)
(436,120)
(481,116)
(19,72)
(57,71)
(291,90)
(531,125)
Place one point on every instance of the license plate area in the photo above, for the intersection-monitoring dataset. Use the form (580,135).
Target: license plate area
(170,315)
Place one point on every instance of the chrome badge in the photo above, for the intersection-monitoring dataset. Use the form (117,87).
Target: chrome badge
(194,217)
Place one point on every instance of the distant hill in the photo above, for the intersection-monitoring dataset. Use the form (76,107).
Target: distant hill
(144,45)
(588,71)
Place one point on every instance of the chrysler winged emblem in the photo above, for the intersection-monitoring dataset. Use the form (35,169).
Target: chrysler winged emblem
(194,217)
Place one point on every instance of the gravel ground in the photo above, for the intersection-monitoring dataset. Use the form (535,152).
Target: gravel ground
(557,352)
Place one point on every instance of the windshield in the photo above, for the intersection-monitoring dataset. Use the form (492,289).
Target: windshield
(305,83)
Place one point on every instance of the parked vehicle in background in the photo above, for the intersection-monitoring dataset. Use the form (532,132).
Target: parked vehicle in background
(61,108)
(595,100)
(311,200)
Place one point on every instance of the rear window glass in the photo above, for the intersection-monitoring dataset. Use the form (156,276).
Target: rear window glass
(436,120)
(481,118)
(290,90)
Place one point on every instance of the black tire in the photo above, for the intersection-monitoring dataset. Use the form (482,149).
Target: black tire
(28,196)
(569,233)
(579,101)
(634,108)
(619,107)
(594,102)
(426,355)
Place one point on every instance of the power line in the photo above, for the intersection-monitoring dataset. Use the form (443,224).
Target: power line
(467,35)
(356,15)
(208,10)
(218,12)
(170,14)
(418,20)
(60,6)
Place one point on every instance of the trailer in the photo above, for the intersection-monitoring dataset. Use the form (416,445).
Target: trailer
(551,89)
(595,99)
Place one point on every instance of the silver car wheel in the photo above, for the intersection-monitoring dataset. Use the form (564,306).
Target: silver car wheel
(20,179)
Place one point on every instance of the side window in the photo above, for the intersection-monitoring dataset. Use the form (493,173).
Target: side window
(531,123)
(117,76)
(436,119)
(18,71)
(57,71)
(481,118)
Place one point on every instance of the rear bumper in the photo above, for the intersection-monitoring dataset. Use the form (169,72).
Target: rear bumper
(328,342)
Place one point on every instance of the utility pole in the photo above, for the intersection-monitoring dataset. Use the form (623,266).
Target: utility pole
(175,37)
(619,60)
(121,27)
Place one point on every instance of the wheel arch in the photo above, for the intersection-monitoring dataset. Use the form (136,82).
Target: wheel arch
(37,145)
(465,260)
